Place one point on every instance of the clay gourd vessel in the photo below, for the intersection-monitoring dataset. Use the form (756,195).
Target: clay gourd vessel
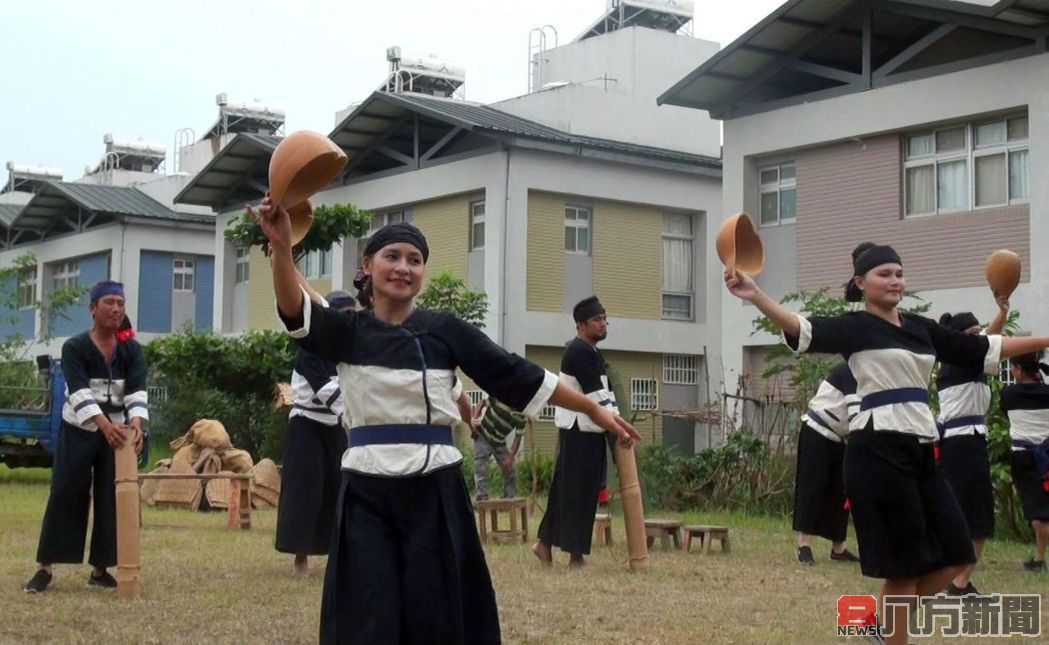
(739,246)
(1003,272)
(303,164)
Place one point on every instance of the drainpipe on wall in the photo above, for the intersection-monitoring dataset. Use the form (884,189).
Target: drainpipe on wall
(506,224)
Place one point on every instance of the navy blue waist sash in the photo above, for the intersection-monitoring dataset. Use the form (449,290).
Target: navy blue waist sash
(890,397)
(417,433)
(961,422)
(1040,452)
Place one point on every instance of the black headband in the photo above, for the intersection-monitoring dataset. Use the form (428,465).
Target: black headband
(340,300)
(394,233)
(874,257)
(959,322)
(587,309)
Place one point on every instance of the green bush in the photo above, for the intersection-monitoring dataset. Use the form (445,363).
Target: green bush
(230,379)
(741,475)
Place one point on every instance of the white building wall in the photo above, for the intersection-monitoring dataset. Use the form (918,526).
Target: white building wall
(951,97)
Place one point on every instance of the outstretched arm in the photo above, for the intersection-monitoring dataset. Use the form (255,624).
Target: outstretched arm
(1020,345)
(611,422)
(743,287)
(276,225)
(998,324)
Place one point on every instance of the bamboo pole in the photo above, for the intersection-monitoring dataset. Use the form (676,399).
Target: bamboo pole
(535,469)
(633,507)
(129,584)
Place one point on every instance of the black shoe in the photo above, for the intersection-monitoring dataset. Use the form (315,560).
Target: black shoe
(103,581)
(970,590)
(805,556)
(844,556)
(954,590)
(38,583)
(1036,566)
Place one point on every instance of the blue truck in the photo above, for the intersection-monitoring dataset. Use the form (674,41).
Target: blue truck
(29,434)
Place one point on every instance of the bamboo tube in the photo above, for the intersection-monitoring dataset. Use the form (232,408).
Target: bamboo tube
(129,584)
(633,508)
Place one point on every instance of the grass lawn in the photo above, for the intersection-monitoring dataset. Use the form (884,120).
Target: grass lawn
(204,583)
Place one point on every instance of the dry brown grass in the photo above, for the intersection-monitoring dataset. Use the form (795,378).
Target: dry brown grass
(207,584)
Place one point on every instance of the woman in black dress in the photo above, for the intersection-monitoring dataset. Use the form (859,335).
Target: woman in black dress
(909,527)
(964,398)
(1026,403)
(406,564)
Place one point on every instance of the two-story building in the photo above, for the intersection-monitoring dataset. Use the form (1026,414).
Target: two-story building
(921,124)
(116,222)
(583,186)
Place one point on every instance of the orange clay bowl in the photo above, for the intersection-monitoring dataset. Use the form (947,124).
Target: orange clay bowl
(303,164)
(301,216)
(1003,272)
(739,246)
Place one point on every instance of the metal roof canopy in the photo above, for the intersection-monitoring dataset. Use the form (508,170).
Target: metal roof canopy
(399,132)
(239,172)
(809,50)
(66,206)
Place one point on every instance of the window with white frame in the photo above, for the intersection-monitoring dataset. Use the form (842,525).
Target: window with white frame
(1005,373)
(577,229)
(644,394)
(316,264)
(183,274)
(27,288)
(677,266)
(66,275)
(959,168)
(779,193)
(243,264)
(547,412)
(680,369)
(477,225)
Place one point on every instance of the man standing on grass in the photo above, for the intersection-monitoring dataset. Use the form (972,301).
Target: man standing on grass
(105,406)
(491,427)
(579,474)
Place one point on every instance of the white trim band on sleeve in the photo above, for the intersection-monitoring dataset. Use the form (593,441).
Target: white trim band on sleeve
(542,396)
(303,331)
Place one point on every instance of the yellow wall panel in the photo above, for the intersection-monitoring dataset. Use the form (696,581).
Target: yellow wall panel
(546,252)
(628,259)
(446,224)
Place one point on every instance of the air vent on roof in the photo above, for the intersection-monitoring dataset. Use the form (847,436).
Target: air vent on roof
(426,75)
(664,15)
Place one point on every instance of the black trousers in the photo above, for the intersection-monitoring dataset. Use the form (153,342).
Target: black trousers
(309,488)
(84,470)
(406,565)
(579,476)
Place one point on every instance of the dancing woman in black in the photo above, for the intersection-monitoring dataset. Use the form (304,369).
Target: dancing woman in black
(1026,403)
(909,527)
(406,564)
(964,398)
(819,483)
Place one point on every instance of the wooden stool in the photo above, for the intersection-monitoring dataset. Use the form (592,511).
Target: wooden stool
(707,534)
(603,529)
(515,507)
(665,530)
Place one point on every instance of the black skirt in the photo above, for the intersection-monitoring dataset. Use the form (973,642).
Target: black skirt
(908,522)
(310,478)
(579,476)
(1028,483)
(406,564)
(819,486)
(967,468)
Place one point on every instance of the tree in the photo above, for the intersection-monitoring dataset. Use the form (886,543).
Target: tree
(807,370)
(331,225)
(445,292)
